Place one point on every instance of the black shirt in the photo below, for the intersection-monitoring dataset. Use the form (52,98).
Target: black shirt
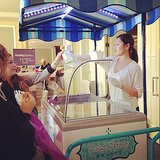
(16,133)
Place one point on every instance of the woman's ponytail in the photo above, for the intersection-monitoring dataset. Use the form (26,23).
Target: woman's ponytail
(134,55)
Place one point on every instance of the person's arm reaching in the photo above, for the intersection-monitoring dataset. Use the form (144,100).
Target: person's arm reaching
(36,78)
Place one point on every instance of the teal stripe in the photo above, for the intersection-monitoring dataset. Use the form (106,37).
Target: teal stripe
(83,34)
(63,1)
(48,0)
(111,2)
(119,26)
(36,33)
(86,35)
(64,33)
(56,1)
(122,2)
(32,35)
(57,24)
(89,35)
(137,19)
(29,35)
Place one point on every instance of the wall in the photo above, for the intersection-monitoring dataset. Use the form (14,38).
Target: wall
(9,35)
(44,50)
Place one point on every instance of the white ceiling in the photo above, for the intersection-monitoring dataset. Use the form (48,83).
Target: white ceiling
(10,6)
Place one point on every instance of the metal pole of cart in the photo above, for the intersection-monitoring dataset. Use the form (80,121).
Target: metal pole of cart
(96,70)
(96,74)
(144,61)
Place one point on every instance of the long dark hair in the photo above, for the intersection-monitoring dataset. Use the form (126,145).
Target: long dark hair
(127,38)
(19,82)
(4,55)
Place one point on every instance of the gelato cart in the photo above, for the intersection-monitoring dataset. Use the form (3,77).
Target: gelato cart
(77,116)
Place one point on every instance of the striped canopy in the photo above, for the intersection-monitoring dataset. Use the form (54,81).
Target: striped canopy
(94,5)
(82,19)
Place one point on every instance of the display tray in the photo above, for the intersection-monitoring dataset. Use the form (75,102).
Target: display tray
(86,106)
(74,99)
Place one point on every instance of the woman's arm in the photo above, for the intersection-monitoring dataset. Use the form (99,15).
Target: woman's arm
(36,78)
(107,64)
(137,87)
(39,77)
(131,91)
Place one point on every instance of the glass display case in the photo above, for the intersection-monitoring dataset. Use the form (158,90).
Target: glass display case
(86,96)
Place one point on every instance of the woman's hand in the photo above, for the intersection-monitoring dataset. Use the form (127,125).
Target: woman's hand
(129,90)
(28,103)
(115,82)
(57,60)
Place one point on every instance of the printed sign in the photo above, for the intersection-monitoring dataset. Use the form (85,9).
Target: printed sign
(108,149)
(23,57)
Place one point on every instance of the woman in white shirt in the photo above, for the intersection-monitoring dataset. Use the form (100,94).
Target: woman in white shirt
(125,75)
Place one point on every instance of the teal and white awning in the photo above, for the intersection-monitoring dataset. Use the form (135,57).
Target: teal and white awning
(139,6)
(46,20)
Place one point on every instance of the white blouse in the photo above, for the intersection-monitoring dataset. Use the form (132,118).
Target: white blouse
(131,75)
